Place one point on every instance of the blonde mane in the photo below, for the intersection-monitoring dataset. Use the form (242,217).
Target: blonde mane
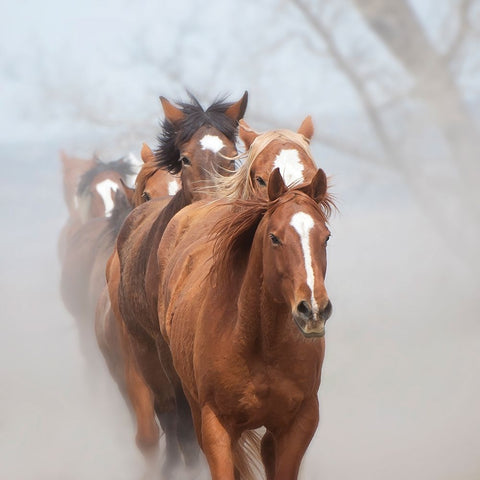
(240,185)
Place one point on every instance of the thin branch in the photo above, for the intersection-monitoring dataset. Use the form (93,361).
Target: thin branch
(462,31)
(355,79)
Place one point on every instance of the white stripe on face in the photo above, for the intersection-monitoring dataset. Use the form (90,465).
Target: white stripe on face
(303,223)
(291,168)
(173,187)
(212,143)
(104,189)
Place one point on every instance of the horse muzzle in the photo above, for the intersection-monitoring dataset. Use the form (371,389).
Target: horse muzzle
(311,323)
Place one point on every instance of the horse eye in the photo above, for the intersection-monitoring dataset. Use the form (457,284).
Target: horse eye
(275,240)
(261,181)
(326,241)
(146,196)
(185,161)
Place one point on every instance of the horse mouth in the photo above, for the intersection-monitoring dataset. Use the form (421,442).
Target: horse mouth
(310,328)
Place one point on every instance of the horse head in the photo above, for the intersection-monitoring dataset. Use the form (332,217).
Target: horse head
(283,149)
(97,187)
(153,181)
(198,143)
(294,250)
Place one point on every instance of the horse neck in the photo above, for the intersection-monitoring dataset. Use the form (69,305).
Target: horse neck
(262,323)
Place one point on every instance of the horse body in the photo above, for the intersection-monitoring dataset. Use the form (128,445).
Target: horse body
(242,359)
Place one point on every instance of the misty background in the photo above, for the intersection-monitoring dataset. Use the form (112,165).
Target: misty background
(393,88)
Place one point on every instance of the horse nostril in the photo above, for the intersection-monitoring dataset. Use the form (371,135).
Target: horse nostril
(304,308)
(327,311)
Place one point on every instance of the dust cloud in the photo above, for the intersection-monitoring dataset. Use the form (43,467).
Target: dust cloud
(401,378)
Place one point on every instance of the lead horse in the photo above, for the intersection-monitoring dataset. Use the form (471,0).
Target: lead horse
(243,306)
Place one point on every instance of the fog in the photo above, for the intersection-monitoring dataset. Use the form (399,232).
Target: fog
(401,378)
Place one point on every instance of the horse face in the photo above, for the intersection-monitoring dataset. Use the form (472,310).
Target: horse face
(295,166)
(201,156)
(295,263)
(158,185)
(98,201)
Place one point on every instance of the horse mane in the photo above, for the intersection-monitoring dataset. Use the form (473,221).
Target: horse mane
(233,234)
(167,154)
(148,170)
(177,202)
(239,184)
(121,166)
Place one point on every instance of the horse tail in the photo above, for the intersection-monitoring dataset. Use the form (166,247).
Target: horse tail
(246,456)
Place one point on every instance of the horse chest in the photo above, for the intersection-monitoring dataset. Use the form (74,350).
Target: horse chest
(261,400)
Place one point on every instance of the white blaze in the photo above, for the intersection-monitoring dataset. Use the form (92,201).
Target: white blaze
(212,143)
(291,168)
(173,187)
(303,223)
(104,189)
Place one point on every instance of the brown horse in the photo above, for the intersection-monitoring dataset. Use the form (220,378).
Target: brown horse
(94,206)
(267,150)
(243,305)
(152,182)
(195,143)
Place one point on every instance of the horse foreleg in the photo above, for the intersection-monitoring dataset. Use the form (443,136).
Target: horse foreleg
(291,444)
(217,446)
(152,371)
(185,428)
(268,454)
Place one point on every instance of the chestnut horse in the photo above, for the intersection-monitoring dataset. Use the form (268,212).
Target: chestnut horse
(194,143)
(152,182)
(243,305)
(286,149)
(94,202)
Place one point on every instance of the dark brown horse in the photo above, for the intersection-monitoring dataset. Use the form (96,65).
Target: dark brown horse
(195,143)
(243,306)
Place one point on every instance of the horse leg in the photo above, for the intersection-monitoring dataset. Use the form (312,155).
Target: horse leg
(185,429)
(141,398)
(164,402)
(217,445)
(268,454)
(292,443)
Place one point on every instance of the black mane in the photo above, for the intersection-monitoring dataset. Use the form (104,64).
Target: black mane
(121,166)
(167,155)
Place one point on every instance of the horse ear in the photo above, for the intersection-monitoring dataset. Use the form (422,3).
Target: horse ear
(147,154)
(246,134)
(318,186)
(129,192)
(276,185)
(306,128)
(236,111)
(172,113)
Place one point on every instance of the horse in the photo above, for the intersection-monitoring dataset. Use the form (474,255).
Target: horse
(194,143)
(152,182)
(266,151)
(243,305)
(94,201)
